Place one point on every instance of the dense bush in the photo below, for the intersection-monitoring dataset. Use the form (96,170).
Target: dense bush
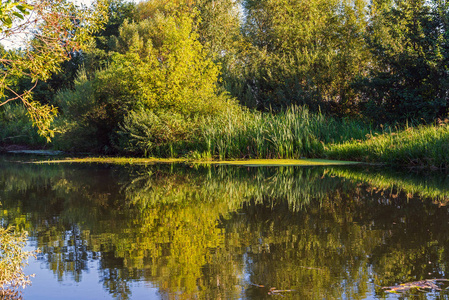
(156,133)
(408,79)
(17,128)
(81,113)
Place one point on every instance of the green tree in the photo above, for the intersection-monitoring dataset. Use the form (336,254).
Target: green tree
(94,56)
(176,61)
(219,27)
(303,52)
(408,81)
(217,22)
(98,55)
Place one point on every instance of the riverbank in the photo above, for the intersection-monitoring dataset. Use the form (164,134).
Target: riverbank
(419,147)
(292,135)
(250,162)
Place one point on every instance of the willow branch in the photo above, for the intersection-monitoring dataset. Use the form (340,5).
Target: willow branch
(17,96)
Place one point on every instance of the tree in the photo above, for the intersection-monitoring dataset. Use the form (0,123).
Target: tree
(178,80)
(408,79)
(47,32)
(98,55)
(217,22)
(302,52)
(159,83)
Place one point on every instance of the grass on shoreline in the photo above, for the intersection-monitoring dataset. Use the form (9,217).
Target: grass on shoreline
(292,134)
(422,146)
(296,134)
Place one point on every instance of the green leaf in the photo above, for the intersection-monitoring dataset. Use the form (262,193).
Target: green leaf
(18,15)
(7,21)
(24,8)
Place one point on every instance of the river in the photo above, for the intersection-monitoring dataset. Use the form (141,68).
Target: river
(179,231)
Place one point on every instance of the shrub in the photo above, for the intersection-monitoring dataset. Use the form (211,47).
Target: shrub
(159,83)
(80,112)
(155,133)
(17,128)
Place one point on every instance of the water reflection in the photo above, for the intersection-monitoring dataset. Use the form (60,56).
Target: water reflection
(231,232)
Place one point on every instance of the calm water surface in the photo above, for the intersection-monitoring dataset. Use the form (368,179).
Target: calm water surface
(227,232)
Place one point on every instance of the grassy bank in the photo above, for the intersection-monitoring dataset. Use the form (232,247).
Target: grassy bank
(294,134)
(298,133)
(422,146)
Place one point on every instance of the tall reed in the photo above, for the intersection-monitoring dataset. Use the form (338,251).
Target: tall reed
(239,133)
(294,133)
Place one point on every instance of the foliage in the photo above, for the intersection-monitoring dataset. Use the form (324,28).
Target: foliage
(12,261)
(16,127)
(408,78)
(11,10)
(293,134)
(237,134)
(257,135)
(47,36)
(152,80)
(118,11)
(80,109)
(169,48)
(303,52)
(160,74)
(95,55)
(157,133)
(219,27)
(217,22)
(98,55)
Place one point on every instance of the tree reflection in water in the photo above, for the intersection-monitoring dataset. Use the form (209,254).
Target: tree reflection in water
(224,232)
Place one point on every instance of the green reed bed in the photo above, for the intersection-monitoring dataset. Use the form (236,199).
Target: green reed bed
(422,146)
(298,133)
(258,135)
(293,134)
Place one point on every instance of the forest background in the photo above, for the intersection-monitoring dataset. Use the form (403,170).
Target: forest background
(347,79)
